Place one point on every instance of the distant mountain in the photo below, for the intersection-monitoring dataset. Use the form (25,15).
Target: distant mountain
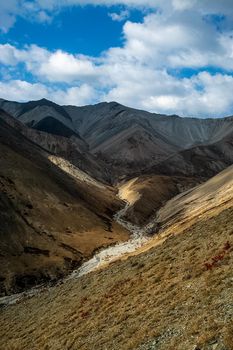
(22,110)
(128,141)
(201,161)
(136,140)
(72,148)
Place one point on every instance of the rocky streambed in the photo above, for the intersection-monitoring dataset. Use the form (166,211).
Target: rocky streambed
(139,237)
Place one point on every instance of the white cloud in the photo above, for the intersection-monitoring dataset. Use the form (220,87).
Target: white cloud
(61,66)
(139,86)
(44,10)
(79,96)
(212,98)
(8,55)
(57,66)
(119,17)
(136,74)
(19,90)
(8,11)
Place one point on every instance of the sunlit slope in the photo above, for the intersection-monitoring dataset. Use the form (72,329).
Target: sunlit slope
(176,295)
(146,194)
(204,200)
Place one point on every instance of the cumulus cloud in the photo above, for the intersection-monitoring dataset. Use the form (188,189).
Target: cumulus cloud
(58,66)
(61,66)
(30,10)
(203,95)
(145,71)
(82,95)
(20,90)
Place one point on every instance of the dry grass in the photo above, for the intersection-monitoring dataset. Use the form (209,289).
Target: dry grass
(165,298)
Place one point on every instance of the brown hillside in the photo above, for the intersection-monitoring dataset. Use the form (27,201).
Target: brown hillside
(175,295)
(50,221)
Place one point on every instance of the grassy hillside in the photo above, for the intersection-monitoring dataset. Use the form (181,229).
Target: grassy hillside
(177,294)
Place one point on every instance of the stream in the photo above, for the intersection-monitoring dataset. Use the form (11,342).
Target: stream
(137,239)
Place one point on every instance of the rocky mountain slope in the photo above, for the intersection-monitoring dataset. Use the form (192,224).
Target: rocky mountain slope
(146,194)
(202,161)
(53,216)
(72,148)
(130,141)
(176,293)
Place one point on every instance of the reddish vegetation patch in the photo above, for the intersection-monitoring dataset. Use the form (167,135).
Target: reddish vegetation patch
(84,314)
(218,257)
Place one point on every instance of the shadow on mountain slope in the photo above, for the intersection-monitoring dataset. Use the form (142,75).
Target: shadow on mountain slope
(50,221)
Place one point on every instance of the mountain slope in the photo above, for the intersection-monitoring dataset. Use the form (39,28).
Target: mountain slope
(129,140)
(53,126)
(177,294)
(73,148)
(198,202)
(146,194)
(51,220)
(201,162)
(34,111)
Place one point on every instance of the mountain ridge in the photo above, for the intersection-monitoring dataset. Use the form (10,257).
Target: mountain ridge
(127,141)
(114,132)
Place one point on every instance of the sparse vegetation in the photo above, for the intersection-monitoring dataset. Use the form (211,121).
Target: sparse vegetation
(217,258)
(170,302)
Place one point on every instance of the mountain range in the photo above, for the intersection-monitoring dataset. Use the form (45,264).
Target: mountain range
(78,182)
(103,148)
(126,141)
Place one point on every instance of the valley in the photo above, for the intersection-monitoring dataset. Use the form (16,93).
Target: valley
(155,297)
(116,229)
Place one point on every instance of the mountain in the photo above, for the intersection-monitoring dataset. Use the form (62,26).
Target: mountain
(201,162)
(196,204)
(175,293)
(34,111)
(53,215)
(129,142)
(149,158)
(72,148)
(118,218)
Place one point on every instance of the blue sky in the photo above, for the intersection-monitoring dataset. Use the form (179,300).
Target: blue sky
(87,29)
(168,56)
